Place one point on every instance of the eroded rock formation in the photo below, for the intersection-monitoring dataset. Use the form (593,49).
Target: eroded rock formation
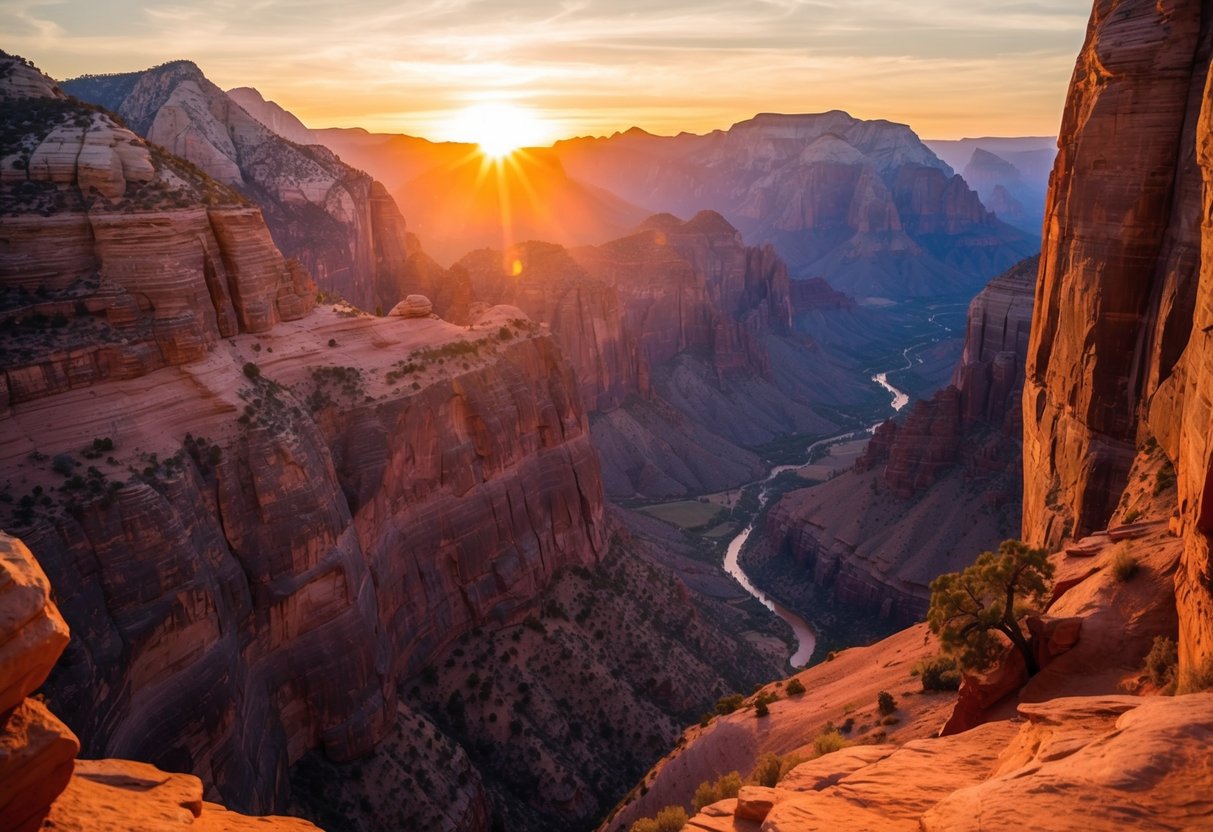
(42,785)
(119,259)
(1120,352)
(336,220)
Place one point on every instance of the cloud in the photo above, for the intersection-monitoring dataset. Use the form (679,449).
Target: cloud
(945,66)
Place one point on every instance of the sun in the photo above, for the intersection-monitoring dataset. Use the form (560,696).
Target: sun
(499,129)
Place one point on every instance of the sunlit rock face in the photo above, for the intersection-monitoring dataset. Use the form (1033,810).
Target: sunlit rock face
(119,259)
(336,220)
(1120,348)
(864,204)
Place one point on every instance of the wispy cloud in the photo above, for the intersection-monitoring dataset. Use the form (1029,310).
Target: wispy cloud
(947,67)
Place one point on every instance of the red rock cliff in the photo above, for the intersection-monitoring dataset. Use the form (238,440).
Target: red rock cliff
(336,220)
(1121,348)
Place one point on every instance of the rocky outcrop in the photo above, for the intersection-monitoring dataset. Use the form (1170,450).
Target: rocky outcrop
(353,528)
(1123,759)
(1122,354)
(319,210)
(36,749)
(863,204)
(119,259)
(42,785)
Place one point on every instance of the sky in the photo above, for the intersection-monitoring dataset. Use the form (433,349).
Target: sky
(948,68)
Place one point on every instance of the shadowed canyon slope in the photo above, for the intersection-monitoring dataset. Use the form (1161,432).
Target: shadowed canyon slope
(336,220)
(1120,349)
(681,339)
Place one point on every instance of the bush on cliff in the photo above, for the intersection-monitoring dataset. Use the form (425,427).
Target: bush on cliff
(991,596)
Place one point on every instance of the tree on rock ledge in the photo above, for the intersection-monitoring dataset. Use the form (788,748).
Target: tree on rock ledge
(990,596)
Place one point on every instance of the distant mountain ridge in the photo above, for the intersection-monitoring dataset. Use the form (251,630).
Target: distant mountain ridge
(335,219)
(864,204)
(1010,174)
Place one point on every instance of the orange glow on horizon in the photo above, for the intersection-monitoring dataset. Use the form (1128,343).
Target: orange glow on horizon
(500,129)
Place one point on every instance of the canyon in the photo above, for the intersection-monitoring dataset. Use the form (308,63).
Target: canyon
(1115,470)
(365,569)
(266,518)
(926,493)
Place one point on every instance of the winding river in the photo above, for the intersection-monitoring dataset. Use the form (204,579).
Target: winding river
(806,640)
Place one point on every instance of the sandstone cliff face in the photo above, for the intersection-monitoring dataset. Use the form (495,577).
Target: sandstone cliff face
(862,203)
(42,786)
(1120,350)
(319,210)
(297,571)
(119,259)
(1124,759)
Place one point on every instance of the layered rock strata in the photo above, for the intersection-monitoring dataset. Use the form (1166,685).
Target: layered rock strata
(336,220)
(303,550)
(1120,352)
(118,259)
(42,785)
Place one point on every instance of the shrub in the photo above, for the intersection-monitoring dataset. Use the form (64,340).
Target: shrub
(504,334)
(728,704)
(332,342)
(252,370)
(771,768)
(726,786)
(795,687)
(63,464)
(1124,565)
(1161,663)
(939,673)
(1131,515)
(885,703)
(669,819)
(761,709)
(828,742)
(1165,478)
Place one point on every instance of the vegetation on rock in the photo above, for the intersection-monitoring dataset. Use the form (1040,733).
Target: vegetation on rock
(991,596)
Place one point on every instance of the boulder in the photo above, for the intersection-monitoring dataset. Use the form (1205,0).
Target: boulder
(32,633)
(413,306)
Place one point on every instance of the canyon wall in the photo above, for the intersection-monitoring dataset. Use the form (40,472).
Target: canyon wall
(1120,352)
(320,211)
(680,336)
(257,516)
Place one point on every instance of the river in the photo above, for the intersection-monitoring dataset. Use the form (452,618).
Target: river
(806,640)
